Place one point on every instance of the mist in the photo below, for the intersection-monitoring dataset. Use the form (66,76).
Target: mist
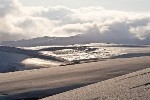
(21,22)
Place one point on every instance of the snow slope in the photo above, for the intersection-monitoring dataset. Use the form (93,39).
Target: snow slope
(11,61)
(96,51)
(22,58)
(40,83)
(15,59)
(134,86)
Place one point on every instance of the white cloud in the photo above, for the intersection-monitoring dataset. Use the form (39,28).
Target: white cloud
(141,32)
(18,22)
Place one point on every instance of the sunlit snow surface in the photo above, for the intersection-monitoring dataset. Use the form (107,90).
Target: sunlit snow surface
(40,62)
(71,54)
(90,51)
(22,58)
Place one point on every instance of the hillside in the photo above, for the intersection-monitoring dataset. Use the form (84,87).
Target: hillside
(17,59)
(40,83)
(133,86)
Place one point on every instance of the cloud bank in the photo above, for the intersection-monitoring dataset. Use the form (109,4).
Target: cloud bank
(20,22)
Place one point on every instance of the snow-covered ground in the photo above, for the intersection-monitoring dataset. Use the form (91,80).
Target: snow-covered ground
(133,86)
(16,62)
(95,51)
(13,61)
(40,83)
(21,58)
(46,80)
(84,54)
(40,62)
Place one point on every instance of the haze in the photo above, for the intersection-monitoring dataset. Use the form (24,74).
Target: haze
(122,20)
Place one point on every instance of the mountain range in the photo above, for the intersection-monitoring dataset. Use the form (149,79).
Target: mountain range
(77,39)
(46,40)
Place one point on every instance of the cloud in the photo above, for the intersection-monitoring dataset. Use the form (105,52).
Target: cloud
(141,32)
(8,6)
(19,22)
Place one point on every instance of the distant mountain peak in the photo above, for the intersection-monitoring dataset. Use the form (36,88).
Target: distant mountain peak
(46,40)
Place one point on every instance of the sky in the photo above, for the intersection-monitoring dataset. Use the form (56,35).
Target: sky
(124,5)
(118,20)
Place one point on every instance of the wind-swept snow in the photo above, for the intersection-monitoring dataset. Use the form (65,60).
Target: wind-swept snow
(40,62)
(40,83)
(85,54)
(22,58)
(11,61)
(94,51)
(15,59)
(134,86)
